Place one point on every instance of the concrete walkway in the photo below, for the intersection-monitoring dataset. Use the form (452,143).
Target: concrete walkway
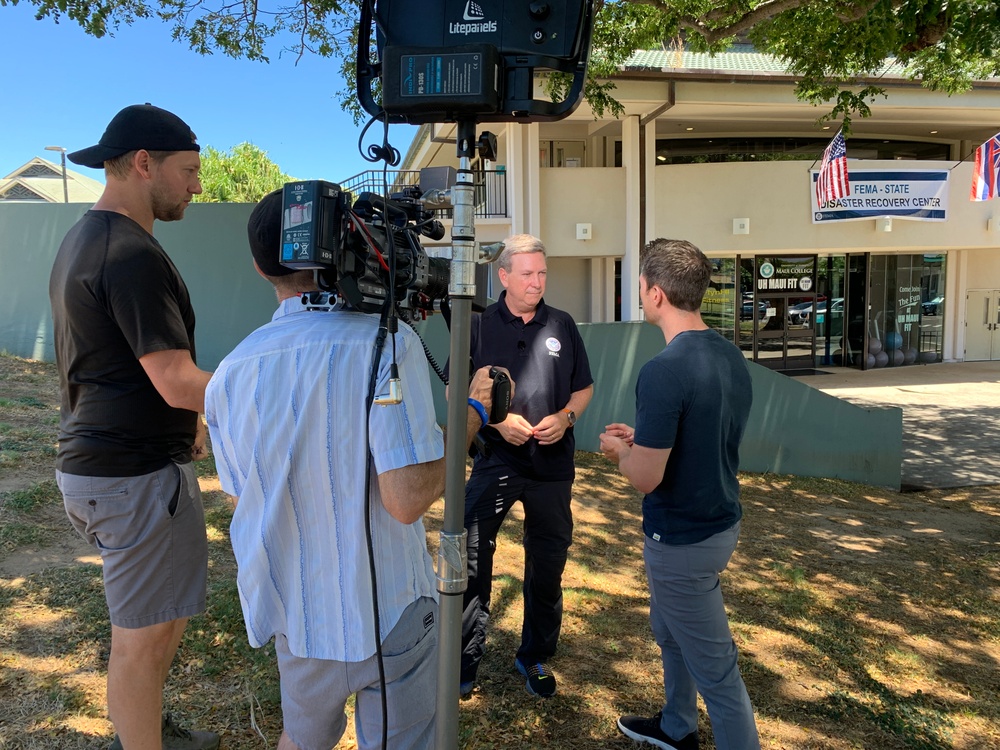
(951,417)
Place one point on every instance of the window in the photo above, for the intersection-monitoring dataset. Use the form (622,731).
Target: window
(717,150)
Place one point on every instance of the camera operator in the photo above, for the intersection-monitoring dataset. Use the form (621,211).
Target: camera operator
(288,417)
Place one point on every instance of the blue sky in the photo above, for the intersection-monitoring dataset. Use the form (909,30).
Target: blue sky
(61,87)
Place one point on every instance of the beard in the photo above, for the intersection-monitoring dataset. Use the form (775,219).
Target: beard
(166,208)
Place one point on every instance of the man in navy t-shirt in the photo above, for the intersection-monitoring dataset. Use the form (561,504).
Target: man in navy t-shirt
(692,404)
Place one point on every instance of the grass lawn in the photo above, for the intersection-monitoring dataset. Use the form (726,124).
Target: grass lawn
(865,618)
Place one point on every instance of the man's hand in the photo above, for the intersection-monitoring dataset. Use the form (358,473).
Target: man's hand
(515,429)
(199,451)
(616,440)
(552,428)
(481,388)
(613,447)
(619,430)
(644,468)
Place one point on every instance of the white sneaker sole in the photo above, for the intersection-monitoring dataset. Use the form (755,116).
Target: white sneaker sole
(643,739)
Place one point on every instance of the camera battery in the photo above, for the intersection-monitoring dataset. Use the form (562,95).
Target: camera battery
(312,223)
(461,80)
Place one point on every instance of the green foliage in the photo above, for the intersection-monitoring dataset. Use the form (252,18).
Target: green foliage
(835,47)
(244,174)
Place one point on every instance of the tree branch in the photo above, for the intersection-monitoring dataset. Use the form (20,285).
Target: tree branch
(744,20)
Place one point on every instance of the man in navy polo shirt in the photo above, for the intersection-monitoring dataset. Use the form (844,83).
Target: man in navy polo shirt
(528,457)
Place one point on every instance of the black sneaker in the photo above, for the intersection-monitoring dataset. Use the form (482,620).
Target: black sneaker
(175,738)
(465,688)
(641,729)
(541,681)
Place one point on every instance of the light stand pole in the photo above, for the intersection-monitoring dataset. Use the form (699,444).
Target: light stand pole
(62,154)
(452,574)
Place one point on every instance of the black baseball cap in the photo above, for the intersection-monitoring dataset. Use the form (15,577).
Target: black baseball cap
(139,126)
(264,233)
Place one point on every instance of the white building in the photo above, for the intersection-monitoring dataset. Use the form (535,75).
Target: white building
(718,150)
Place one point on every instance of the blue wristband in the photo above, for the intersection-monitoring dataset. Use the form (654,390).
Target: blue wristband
(480,409)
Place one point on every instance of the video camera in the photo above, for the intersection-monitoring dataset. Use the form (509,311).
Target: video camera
(364,249)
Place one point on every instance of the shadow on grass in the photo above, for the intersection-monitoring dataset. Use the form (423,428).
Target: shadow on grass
(883,604)
(54,626)
(886,598)
(865,619)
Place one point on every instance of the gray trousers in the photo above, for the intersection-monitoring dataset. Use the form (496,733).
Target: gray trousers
(314,692)
(690,625)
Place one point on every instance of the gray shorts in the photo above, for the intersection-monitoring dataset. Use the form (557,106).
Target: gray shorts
(150,531)
(315,691)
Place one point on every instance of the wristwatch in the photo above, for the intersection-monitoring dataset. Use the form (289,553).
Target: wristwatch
(571,415)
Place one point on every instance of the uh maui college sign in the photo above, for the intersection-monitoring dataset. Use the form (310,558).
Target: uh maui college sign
(919,194)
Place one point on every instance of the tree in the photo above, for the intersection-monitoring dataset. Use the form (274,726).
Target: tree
(244,174)
(838,48)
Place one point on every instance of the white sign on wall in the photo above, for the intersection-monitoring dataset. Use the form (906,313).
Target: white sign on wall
(918,194)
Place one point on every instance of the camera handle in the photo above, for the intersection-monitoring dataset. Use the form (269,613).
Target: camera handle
(499,395)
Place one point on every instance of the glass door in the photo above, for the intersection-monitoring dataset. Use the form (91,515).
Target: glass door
(786,341)
(784,312)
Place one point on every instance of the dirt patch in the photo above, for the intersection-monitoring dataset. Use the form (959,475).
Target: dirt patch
(65,547)
(29,416)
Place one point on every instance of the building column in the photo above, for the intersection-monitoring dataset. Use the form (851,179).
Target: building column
(515,177)
(953,333)
(533,202)
(523,180)
(649,181)
(630,258)
(602,290)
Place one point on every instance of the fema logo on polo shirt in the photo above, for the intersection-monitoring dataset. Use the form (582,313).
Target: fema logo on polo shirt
(553,345)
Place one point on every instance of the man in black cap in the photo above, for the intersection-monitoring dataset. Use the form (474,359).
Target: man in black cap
(295,436)
(130,424)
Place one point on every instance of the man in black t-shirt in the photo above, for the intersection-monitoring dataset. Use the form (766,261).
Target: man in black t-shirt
(131,398)
(692,404)
(529,457)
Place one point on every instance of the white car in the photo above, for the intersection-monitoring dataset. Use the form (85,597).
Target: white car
(803,312)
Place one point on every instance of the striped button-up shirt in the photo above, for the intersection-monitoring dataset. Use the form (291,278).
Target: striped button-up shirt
(286,413)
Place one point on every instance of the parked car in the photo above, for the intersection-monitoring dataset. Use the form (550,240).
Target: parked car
(746,311)
(798,314)
(803,316)
(932,306)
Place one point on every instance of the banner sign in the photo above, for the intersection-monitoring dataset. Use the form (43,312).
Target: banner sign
(919,194)
(786,273)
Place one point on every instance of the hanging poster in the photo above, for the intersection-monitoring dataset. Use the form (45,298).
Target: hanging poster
(917,194)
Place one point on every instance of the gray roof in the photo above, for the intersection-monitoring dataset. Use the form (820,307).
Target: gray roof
(733,62)
(41,180)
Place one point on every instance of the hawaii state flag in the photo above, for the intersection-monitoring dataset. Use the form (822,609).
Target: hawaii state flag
(832,182)
(984,175)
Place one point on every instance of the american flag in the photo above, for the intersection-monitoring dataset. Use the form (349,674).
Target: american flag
(832,182)
(984,175)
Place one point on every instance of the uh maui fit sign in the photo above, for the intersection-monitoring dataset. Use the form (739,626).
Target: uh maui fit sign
(918,194)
